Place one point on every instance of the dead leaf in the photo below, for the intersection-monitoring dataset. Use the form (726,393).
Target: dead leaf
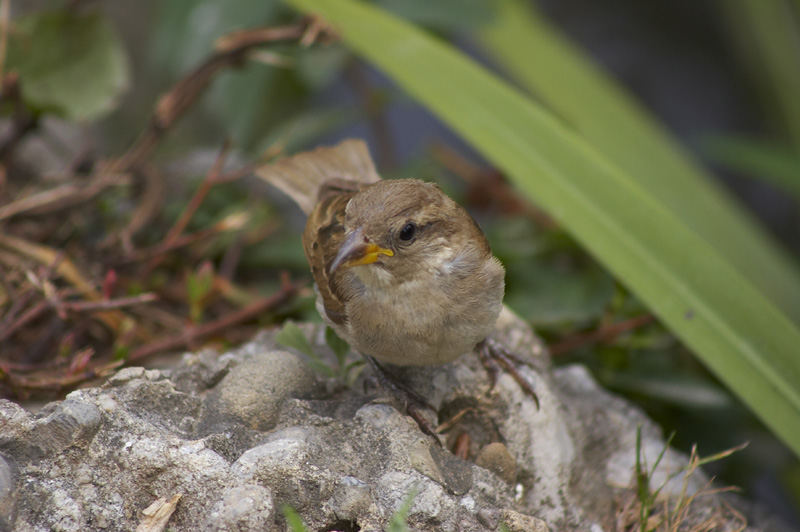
(157,514)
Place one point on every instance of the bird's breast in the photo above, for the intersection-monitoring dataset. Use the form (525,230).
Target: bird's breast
(422,321)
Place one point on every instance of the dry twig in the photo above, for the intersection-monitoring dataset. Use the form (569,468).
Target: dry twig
(194,334)
(5,8)
(231,50)
(51,312)
(605,333)
(62,196)
(488,188)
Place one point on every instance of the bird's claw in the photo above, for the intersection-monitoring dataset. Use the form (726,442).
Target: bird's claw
(494,356)
(411,399)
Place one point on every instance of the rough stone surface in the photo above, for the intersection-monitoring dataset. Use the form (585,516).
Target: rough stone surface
(496,458)
(240,435)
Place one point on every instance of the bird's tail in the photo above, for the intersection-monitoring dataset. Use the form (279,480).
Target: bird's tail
(301,176)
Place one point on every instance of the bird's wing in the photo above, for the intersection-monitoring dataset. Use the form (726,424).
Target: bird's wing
(302,176)
(322,239)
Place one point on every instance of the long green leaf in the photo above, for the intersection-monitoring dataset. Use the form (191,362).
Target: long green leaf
(548,65)
(769,35)
(745,339)
(758,159)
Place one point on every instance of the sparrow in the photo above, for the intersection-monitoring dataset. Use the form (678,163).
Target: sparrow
(403,273)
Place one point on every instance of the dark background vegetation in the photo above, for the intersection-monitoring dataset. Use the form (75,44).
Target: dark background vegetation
(684,60)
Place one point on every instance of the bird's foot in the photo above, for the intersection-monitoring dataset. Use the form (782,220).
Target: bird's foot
(412,401)
(494,356)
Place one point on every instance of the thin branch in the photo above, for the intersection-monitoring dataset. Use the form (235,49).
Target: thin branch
(150,204)
(106,304)
(62,196)
(28,316)
(67,380)
(487,188)
(198,197)
(66,269)
(23,299)
(60,306)
(4,17)
(245,39)
(46,255)
(230,223)
(602,334)
(231,51)
(193,334)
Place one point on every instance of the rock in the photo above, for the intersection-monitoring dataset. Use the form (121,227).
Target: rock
(58,426)
(496,458)
(351,496)
(246,507)
(235,438)
(253,390)
(517,522)
(7,499)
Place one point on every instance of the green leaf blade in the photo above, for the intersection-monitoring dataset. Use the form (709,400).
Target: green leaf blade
(768,36)
(546,64)
(718,313)
(759,160)
(293,519)
(339,347)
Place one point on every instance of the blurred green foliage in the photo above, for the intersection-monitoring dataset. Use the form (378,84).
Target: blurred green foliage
(767,161)
(72,65)
(398,522)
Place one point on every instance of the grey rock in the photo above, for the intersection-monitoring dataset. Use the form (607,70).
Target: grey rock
(201,371)
(489,517)
(351,496)
(246,507)
(240,435)
(456,473)
(253,390)
(7,491)
(56,427)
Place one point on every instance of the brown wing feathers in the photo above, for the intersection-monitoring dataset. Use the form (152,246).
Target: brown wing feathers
(322,238)
(321,182)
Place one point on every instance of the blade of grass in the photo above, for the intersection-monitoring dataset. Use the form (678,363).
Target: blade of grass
(609,118)
(293,520)
(759,160)
(736,331)
(769,35)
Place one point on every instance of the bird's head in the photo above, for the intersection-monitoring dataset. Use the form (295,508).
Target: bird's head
(404,230)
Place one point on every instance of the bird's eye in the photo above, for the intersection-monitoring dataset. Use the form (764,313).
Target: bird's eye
(408,231)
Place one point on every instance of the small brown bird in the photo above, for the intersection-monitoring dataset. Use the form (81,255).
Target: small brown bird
(403,273)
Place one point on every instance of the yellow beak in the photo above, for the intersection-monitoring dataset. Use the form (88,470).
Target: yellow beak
(357,250)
